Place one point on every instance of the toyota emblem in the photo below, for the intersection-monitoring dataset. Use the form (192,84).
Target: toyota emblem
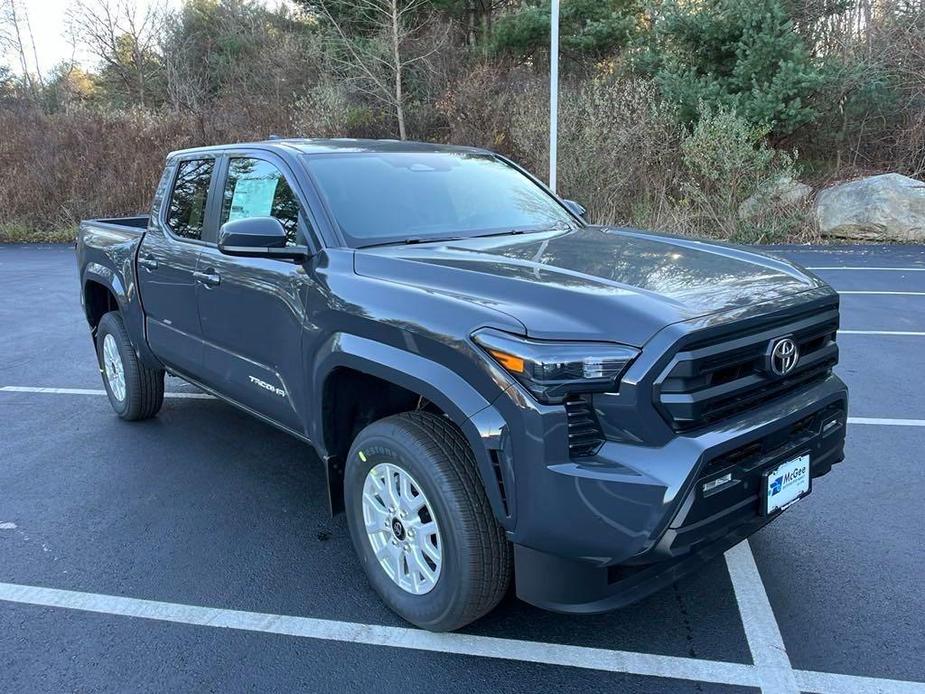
(783,356)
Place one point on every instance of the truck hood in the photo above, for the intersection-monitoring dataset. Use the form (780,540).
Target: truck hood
(595,283)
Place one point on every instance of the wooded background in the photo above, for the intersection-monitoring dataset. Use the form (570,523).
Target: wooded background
(673,112)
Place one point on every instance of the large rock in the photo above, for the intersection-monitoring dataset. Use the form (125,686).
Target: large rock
(890,207)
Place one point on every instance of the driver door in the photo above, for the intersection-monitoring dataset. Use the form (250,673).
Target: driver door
(252,310)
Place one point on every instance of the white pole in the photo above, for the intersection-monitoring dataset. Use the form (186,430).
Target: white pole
(553,94)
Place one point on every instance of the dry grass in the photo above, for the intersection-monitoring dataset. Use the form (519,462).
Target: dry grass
(622,154)
(13,233)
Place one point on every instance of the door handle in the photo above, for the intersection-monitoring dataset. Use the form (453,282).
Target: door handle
(210,279)
(148,263)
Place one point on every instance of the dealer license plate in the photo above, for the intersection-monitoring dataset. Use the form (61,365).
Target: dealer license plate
(785,484)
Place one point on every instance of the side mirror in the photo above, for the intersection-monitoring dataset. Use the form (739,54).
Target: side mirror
(576,208)
(258,237)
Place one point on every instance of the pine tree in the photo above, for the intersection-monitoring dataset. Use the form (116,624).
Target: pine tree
(743,55)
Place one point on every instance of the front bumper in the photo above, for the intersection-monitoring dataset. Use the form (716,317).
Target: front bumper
(602,532)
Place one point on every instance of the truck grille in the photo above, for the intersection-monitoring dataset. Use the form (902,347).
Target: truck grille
(712,379)
(584,430)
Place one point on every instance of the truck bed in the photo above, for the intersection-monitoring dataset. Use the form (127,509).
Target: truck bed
(138,223)
(106,250)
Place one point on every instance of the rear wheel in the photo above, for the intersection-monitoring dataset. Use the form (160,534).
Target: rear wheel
(421,523)
(135,391)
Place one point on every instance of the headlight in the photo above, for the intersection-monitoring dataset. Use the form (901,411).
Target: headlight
(552,370)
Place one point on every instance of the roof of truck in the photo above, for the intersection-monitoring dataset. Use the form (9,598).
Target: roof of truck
(322,146)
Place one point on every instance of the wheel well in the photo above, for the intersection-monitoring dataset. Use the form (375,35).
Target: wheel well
(98,301)
(352,400)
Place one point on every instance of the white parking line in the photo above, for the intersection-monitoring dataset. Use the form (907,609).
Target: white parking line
(887,421)
(888,333)
(397,637)
(883,293)
(91,391)
(761,631)
(831,683)
(875,269)
(645,664)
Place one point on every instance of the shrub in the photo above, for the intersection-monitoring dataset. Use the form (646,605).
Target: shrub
(617,146)
(17,233)
(323,112)
(61,168)
(478,107)
(623,156)
(727,161)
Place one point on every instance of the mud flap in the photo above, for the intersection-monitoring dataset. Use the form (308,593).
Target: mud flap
(334,468)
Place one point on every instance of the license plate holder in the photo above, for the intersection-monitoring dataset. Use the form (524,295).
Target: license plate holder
(785,484)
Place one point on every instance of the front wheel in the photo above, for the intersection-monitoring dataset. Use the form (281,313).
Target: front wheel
(135,391)
(421,523)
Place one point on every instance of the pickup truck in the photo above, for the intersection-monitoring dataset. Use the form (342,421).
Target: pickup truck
(497,389)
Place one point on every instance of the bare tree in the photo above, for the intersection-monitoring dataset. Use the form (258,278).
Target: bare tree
(378,64)
(122,36)
(35,50)
(12,19)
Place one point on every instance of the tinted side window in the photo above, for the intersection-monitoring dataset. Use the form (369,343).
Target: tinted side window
(256,188)
(187,210)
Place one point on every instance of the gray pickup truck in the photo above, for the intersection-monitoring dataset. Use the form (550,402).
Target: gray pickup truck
(494,386)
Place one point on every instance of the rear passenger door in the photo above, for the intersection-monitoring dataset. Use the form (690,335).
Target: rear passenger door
(167,261)
(252,309)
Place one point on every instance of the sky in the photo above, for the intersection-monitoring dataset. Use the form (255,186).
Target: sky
(49,24)
(49,27)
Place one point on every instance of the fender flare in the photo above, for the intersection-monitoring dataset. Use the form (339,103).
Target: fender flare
(129,306)
(480,422)
(94,272)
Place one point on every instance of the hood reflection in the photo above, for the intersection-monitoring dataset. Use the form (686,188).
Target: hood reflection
(566,283)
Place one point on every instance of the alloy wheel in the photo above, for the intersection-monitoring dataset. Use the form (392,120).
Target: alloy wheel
(402,529)
(112,365)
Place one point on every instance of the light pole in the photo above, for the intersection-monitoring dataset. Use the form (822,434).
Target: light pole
(553,94)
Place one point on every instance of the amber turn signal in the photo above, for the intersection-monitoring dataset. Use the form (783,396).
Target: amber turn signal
(508,361)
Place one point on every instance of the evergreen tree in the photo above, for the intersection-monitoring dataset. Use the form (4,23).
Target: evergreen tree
(589,29)
(733,54)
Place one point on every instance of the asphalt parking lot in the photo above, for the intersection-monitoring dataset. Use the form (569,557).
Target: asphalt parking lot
(194,551)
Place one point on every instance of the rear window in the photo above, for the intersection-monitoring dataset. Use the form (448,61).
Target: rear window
(187,208)
(378,197)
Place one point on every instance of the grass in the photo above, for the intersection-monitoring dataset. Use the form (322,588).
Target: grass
(12,232)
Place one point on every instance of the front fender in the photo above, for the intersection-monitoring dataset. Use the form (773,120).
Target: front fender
(480,422)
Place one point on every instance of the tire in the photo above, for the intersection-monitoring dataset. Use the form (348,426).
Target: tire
(141,388)
(475,556)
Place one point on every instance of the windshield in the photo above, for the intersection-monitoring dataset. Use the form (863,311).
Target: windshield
(392,197)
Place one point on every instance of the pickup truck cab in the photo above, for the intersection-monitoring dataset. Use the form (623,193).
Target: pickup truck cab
(496,387)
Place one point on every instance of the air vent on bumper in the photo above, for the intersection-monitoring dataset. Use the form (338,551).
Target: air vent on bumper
(584,430)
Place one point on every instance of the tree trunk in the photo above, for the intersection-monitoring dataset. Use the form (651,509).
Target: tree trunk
(21,51)
(396,58)
(138,58)
(35,52)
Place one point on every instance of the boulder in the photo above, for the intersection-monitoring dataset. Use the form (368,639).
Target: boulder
(890,207)
(783,191)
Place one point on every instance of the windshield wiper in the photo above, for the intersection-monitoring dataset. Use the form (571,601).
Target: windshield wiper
(558,226)
(427,239)
(414,240)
